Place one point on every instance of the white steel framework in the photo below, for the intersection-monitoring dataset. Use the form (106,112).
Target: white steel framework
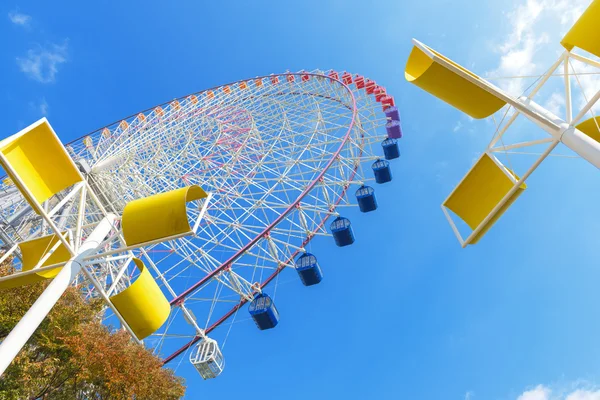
(277,154)
(561,130)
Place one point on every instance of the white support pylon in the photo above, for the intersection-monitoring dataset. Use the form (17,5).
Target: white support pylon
(586,147)
(21,333)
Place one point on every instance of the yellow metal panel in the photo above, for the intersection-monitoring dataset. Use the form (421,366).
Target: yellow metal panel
(481,190)
(32,252)
(17,281)
(41,162)
(448,86)
(158,216)
(498,214)
(143,305)
(585,34)
(591,128)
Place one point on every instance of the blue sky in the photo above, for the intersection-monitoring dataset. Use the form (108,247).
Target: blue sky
(404,312)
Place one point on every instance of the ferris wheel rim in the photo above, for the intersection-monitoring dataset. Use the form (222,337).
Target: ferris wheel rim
(166,103)
(184,97)
(331,116)
(263,284)
(180,298)
(284,213)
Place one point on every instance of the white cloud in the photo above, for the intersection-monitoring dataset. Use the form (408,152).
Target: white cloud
(457,127)
(41,63)
(40,108)
(555,103)
(43,107)
(440,168)
(18,18)
(542,392)
(533,25)
(568,12)
(469,395)
(532,45)
(539,393)
(587,79)
(522,18)
(584,395)
(518,61)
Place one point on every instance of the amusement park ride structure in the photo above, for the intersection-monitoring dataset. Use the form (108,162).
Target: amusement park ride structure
(489,188)
(179,215)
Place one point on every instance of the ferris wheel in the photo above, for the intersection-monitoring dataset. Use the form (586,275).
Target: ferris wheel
(265,164)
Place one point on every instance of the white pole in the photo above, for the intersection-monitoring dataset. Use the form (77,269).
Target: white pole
(536,89)
(573,138)
(17,338)
(586,108)
(520,145)
(568,102)
(585,60)
(582,144)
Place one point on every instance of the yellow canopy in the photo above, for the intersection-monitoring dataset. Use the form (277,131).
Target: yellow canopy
(445,84)
(585,34)
(32,251)
(482,189)
(143,305)
(591,128)
(159,216)
(40,160)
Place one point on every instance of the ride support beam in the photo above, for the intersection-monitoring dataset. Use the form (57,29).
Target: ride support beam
(582,144)
(21,333)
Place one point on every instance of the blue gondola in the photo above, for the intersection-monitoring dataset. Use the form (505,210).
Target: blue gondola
(341,230)
(308,269)
(393,129)
(382,171)
(365,196)
(263,312)
(392,113)
(391,149)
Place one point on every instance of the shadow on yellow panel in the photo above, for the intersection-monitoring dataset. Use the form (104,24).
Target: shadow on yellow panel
(585,33)
(143,305)
(449,86)
(32,252)
(481,190)
(591,127)
(159,216)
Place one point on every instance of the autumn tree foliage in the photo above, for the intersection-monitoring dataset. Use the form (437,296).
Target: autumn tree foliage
(72,355)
